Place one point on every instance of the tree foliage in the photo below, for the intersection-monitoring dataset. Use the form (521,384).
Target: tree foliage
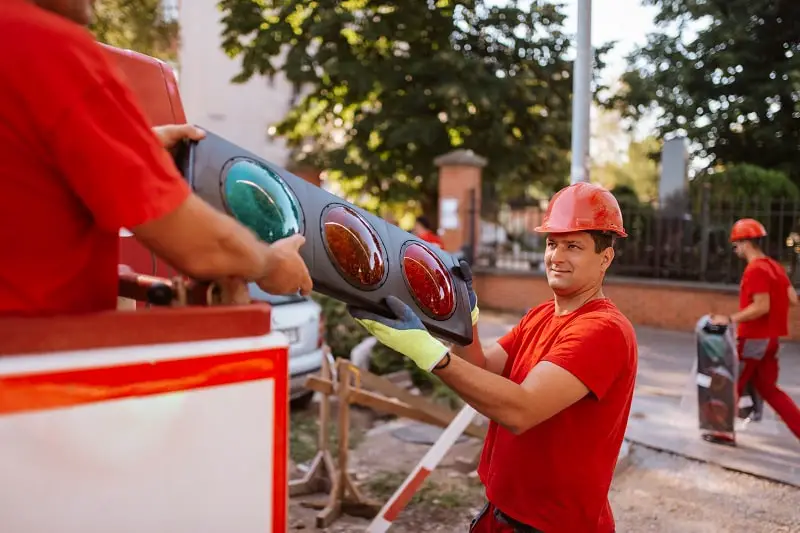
(389,85)
(745,181)
(140,25)
(638,174)
(726,73)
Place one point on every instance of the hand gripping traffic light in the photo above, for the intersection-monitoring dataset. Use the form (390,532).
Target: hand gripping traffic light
(351,254)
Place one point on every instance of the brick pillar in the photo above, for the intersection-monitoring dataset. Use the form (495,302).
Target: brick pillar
(459,178)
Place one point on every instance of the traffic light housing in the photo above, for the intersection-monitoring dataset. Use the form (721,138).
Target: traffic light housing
(352,255)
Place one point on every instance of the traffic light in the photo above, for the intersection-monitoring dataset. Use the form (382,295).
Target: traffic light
(352,255)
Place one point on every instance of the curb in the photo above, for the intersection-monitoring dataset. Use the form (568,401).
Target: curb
(718,464)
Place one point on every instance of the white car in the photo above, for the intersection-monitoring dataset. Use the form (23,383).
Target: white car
(300,319)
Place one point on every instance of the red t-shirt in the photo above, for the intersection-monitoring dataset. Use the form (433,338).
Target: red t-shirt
(78,161)
(765,275)
(556,476)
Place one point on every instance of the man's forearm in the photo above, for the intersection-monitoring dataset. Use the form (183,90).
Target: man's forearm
(472,353)
(203,243)
(237,253)
(494,396)
(751,312)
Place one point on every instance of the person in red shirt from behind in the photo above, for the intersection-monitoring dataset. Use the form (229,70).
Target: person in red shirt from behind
(765,295)
(79,161)
(422,229)
(558,387)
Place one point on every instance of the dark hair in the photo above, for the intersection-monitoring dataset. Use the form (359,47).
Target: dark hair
(422,219)
(602,240)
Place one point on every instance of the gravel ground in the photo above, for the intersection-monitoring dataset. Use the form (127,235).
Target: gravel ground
(658,492)
(664,493)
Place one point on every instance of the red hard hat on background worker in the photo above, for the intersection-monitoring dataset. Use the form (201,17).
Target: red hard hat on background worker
(583,207)
(747,229)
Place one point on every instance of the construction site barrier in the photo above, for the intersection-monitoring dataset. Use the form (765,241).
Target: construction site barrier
(397,502)
(165,419)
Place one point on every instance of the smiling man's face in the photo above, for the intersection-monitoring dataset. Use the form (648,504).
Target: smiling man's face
(573,263)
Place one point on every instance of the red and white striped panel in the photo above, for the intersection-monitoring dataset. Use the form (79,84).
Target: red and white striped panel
(184,436)
(392,508)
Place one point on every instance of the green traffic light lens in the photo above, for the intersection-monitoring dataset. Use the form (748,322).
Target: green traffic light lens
(259,198)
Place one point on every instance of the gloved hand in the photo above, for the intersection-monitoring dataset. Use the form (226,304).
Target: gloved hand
(405,333)
(466,275)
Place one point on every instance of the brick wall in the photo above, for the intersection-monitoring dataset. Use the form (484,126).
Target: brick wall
(663,304)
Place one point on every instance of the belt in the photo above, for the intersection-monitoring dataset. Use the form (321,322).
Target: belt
(518,526)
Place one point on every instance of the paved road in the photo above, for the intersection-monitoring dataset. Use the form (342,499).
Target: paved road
(664,414)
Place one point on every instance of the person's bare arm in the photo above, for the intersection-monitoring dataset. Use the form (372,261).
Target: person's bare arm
(204,243)
(586,358)
(757,309)
(492,358)
(545,392)
(792,295)
(197,239)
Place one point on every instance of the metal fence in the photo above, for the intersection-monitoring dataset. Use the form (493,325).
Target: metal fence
(687,241)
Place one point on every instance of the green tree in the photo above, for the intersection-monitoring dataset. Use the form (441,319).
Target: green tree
(388,86)
(727,73)
(639,173)
(140,25)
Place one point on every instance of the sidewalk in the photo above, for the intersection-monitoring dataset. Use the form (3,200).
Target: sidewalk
(664,412)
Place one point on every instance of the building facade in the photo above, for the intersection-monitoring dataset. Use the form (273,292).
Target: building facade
(242,113)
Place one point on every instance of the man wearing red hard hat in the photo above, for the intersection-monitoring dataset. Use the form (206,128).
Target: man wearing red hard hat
(557,388)
(765,295)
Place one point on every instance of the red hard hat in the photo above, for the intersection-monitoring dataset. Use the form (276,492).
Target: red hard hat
(747,228)
(583,207)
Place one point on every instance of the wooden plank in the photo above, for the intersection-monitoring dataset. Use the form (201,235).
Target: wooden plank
(375,401)
(440,413)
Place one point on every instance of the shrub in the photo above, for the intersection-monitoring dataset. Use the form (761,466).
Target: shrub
(749,181)
(342,333)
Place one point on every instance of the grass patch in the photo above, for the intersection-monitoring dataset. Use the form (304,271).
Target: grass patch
(304,433)
(434,493)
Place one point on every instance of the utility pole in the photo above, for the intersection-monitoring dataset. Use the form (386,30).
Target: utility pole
(581,94)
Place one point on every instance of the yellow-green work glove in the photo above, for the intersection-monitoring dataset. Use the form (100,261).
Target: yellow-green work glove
(405,333)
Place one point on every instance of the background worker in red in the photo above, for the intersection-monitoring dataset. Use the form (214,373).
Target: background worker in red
(79,161)
(422,229)
(766,293)
(557,388)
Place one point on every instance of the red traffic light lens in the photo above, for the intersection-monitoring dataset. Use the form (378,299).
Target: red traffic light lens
(260,199)
(353,247)
(428,281)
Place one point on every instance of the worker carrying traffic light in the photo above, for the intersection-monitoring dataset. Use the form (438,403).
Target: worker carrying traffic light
(558,387)
(765,295)
(79,162)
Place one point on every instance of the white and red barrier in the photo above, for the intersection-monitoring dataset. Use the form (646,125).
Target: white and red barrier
(392,508)
(169,420)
